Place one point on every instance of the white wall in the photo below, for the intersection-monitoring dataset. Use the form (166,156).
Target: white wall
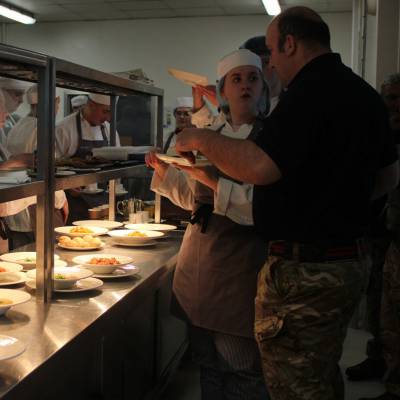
(193,44)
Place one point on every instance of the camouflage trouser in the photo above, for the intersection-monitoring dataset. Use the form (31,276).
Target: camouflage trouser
(390,318)
(302,313)
(378,249)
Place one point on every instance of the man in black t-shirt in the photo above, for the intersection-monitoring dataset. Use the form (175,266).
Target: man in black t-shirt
(315,168)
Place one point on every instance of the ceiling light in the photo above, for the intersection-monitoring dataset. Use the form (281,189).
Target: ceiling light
(17,14)
(272,7)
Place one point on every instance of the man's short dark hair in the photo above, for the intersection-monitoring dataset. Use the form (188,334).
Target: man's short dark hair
(256,45)
(305,25)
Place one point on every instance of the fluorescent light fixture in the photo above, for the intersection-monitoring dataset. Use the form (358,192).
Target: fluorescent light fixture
(16,14)
(272,7)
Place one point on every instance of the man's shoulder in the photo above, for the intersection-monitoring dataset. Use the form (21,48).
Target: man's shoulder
(66,120)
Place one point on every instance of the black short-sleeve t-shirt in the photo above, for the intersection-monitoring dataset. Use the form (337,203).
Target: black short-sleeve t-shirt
(328,135)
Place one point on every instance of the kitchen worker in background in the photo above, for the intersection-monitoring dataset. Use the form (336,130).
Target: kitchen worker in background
(78,102)
(16,226)
(182,114)
(202,114)
(13,92)
(78,133)
(22,138)
(315,170)
(389,314)
(221,254)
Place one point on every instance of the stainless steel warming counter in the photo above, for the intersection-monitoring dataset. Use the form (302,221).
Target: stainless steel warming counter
(116,342)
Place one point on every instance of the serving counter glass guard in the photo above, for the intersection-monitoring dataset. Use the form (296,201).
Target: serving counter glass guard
(49,73)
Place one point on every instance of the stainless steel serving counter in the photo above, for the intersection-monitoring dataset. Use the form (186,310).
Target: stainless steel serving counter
(73,328)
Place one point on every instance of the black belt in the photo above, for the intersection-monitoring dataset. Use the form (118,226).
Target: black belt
(202,216)
(317,252)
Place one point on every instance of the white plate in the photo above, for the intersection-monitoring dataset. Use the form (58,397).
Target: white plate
(202,162)
(24,258)
(84,259)
(129,270)
(10,267)
(72,275)
(144,244)
(151,227)
(188,77)
(66,230)
(101,223)
(121,236)
(12,278)
(65,173)
(96,191)
(81,248)
(10,347)
(15,296)
(82,285)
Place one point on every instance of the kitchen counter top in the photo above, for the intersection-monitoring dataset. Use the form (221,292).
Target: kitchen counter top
(45,329)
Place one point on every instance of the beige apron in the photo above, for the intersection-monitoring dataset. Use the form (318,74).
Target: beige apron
(216,274)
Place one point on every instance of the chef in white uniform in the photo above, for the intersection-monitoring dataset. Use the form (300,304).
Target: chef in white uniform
(17,222)
(79,132)
(13,91)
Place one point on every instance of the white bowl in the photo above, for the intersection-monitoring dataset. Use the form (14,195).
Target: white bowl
(12,278)
(64,277)
(9,267)
(25,258)
(95,231)
(121,236)
(14,296)
(101,269)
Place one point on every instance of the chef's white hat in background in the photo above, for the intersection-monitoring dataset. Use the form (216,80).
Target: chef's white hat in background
(13,84)
(79,101)
(100,99)
(186,102)
(32,95)
(238,58)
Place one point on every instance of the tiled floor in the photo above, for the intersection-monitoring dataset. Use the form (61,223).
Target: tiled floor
(185,386)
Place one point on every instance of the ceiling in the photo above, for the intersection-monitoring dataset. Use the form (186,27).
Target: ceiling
(89,10)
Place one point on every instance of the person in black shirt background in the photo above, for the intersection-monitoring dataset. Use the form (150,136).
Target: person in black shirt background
(321,159)
(389,323)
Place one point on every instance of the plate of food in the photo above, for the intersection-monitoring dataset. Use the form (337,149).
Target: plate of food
(10,298)
(83,285)
(123,272)
(151,227)
(134,237)
(199,161)
(79,243)
(75,231)
(64,277)
(100,223)
(102,263)
(9,267)
(28,259)
(10,347)
(12,278)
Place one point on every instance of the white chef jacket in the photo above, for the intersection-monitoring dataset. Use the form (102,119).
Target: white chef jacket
(10,122)
(231,199)
(22,138)
(67,139)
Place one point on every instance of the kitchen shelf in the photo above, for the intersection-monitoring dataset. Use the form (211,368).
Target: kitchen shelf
(13,192)
(73,181)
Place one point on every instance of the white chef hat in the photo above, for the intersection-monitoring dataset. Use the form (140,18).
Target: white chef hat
(13,84)
(100,99)
(186,102)
(78,101)
(32,95)
(237,58)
